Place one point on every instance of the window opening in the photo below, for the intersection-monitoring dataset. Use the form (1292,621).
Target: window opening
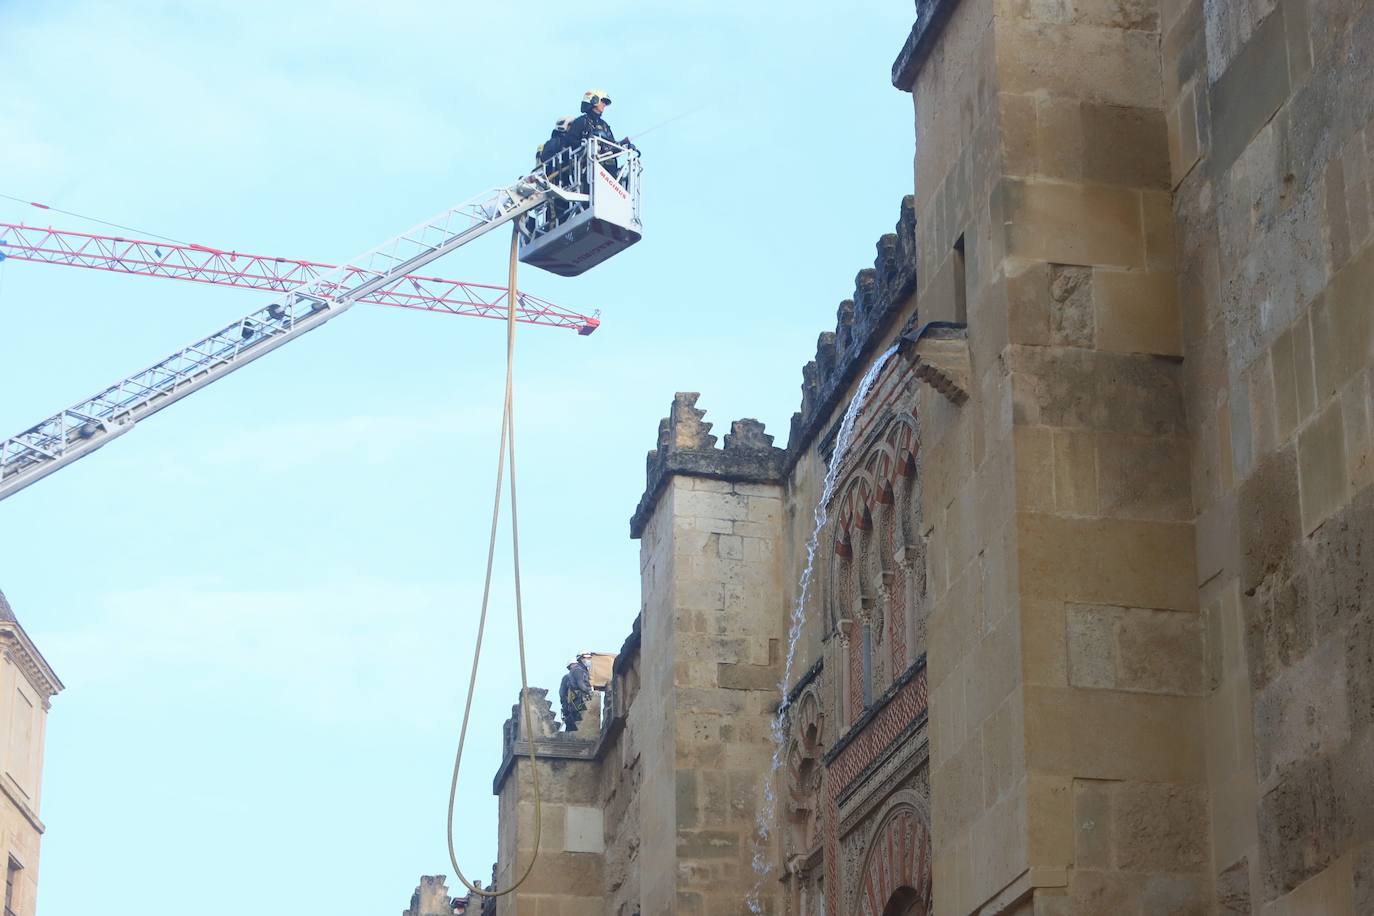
(11,878)
(960,284)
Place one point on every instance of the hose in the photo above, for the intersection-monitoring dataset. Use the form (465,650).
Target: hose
(507,439)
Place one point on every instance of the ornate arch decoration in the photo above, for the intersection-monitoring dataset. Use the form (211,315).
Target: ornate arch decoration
(903,437)
(807,722)
(806,747)
(831,586)
(880,467)
(854,529)
(897,863)
(858,502)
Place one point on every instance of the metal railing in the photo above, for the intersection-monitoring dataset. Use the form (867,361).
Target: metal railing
(572,170)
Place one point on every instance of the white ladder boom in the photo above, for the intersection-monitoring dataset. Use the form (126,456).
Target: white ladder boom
(81,429)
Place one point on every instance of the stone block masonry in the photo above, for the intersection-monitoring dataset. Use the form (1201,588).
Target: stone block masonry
(1066,653)
(1091,626)
(1162,216)
(713,612)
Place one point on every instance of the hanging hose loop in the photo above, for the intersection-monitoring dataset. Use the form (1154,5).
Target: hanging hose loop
(507,440)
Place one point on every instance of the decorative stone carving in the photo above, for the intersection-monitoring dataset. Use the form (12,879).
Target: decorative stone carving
(806,736)
(938,351)
(897,862)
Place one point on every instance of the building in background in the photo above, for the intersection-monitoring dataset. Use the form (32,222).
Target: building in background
(27,685)
(1091,619)
(431,898)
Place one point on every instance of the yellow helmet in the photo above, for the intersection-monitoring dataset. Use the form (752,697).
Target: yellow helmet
(592,96)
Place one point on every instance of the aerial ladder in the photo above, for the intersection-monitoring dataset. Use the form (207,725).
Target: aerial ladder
(572,213)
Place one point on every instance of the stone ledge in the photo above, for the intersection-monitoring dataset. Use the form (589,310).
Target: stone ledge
(12,792)
(938,352)
(559,747)
(686,447)
(931,16)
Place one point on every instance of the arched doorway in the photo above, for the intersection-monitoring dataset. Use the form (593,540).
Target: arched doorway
(906,902)
(895,878)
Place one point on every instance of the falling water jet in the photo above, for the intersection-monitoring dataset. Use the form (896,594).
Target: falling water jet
(764,825)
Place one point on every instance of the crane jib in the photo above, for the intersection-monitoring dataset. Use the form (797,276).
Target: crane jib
(591,213)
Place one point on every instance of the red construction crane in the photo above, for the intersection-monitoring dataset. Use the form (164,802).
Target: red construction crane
(202,264)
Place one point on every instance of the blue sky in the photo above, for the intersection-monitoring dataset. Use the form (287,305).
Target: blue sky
(262,601)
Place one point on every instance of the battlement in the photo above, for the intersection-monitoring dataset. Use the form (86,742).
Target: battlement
(880,292)
(685,443)
(550,742)
(686,446)
(431,898)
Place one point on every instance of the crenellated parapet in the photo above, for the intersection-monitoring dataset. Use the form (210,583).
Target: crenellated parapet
(686,446)
(542,719)
(880,292)
(549,741)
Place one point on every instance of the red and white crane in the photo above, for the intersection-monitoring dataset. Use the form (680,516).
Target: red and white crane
(596,216)
(220,267)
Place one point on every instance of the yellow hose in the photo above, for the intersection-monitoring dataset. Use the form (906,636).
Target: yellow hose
(507,436)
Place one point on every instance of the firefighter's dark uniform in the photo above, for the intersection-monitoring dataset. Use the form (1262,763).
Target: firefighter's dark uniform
(573,692)
(592,124)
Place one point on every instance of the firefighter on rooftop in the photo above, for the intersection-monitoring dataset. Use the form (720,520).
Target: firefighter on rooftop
(574,691)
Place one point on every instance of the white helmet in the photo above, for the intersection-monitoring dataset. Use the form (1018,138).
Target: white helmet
(592,96)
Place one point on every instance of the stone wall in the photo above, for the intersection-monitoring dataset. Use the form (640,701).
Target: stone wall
(27,685)
(1271,140)
(568,828)
(681,761)
(1148,506)
(621,775)
(1064,658)
(1091,625)
(710,526)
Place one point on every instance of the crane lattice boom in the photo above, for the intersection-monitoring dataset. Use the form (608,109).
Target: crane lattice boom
(202,264)
(86,426)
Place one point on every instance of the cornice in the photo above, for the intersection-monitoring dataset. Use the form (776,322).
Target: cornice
(931,16)
(26,657)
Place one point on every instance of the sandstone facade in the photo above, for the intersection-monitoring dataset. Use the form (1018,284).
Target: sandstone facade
(27,685)
(1091,625)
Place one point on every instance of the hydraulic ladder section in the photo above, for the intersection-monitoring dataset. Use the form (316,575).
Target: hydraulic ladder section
(82,428)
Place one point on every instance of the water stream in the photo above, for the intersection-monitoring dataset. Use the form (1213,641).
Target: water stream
(767,815)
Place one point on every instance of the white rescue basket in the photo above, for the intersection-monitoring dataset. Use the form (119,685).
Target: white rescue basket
(597,217)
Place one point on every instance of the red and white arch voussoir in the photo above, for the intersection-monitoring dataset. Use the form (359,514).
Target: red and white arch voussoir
(898,858)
